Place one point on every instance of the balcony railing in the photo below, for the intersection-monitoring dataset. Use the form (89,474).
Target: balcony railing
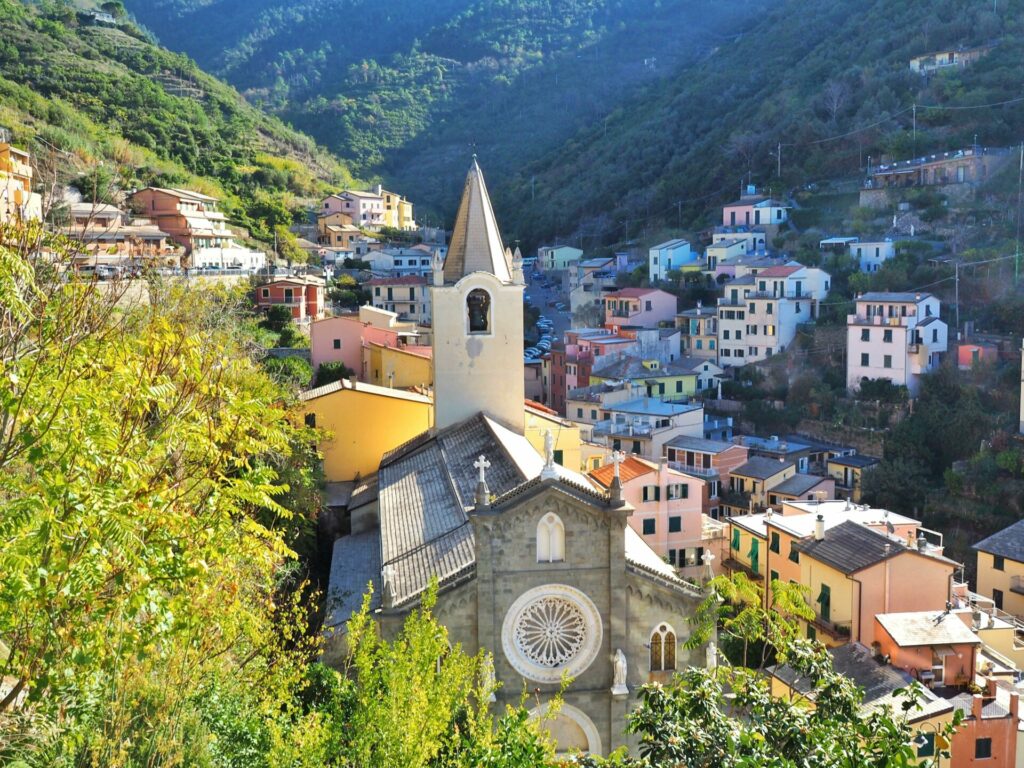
(689,469)
(837,630)
(879,320)
(622,429)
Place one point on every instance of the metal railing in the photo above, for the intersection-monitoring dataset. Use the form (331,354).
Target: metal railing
(692,470)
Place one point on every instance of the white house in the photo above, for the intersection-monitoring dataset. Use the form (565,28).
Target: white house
(871,256)
(554,258)
(895,336)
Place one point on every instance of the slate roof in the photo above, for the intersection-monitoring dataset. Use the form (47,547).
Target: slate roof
(921,628)
(911,298)
(1008,542)
(879,682)
(761,467)
(688,443)
(850,547)
(631,367)
(355,563)
(476,243)
(798,484)
(990,710)
(857,461)
(631,293)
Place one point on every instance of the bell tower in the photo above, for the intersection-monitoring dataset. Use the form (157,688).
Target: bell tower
(477,299)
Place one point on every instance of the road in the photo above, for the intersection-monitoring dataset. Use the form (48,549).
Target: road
(540,296)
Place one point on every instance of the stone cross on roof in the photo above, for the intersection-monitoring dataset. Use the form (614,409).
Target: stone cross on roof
(482,464)
(617,458)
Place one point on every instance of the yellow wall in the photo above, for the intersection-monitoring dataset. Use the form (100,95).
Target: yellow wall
(689,384)
(990,579)
(410,370)
(566,434)
(363,426)
(857,473)
(742,554)
(814,573)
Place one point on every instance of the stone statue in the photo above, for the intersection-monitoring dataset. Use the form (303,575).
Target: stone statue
(711,661)
(549,470)
(619,674)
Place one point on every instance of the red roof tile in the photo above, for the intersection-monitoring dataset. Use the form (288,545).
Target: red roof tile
(778,271)
(406,280)
(628,469)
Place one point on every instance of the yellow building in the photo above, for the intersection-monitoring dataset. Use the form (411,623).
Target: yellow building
(363,422)
(750,482)
(395,367)
(17,200)
(675,380)
(1001,568)
(568,451)
(848,472)
(336,230)
(397,211)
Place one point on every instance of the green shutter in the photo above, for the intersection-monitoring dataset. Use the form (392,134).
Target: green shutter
(775,543)
(825,601)
(735,538)
(794,553)
(754,555)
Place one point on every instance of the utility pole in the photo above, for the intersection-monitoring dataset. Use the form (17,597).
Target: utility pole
(778,157)
(679,212)
(956,267)
(1020,188)
(915,131)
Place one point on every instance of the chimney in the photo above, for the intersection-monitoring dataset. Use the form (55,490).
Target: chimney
(819,528)
(378,189)
(922,542)
(977,704)
(1014,706)
(352,380)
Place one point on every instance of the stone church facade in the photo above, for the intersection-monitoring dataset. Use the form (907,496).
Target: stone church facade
(534,563)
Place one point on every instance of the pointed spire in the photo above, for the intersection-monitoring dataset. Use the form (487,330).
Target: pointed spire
(476,243)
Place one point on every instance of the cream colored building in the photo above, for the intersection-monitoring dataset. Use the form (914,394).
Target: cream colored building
(17,200)
(1001,568)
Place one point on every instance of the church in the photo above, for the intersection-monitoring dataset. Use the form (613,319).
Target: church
(535,564)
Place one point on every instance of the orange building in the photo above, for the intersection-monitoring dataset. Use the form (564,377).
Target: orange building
(190,218)
(303,295)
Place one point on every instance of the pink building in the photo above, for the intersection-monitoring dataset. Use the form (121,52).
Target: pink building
(970,354)
(365,208)
(644,307)
(710,459)
(754,211)
(668,514)
(936,647)
(343,338)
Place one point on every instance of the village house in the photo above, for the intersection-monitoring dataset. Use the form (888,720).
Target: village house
(1000,568)
(533,380)
(871,255)
(644,425)
(676,380)
(956,173)
(780,449)
(400,367)
(699,332)
(556,258)
(397,211)
(336,230)
(935,647)
(848,472)
(711,460)
(342,338)
(754,238)
(725,250)
(17,200)
(585,406)
(407,296)
(753,210)
(669,514)
(107,235)
(894,336)
(303,295)
(951,58)
(672,255)
(366,209)
(642,307)
(750,483)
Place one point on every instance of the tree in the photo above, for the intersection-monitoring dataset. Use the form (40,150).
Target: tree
(290,371)
(332,371)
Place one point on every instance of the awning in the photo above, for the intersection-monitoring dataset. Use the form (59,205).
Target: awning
(942,651)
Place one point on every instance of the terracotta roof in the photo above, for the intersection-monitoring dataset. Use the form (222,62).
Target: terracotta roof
(629,469)
(541,407)
(630,293)
(778,271)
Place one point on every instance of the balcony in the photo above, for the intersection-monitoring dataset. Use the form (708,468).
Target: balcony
(878,320)
(1017,584)
(837,630)
(708,472)
(614,429)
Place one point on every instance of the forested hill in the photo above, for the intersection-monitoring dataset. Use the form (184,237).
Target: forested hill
(104,94)
(806,72)
(409,88)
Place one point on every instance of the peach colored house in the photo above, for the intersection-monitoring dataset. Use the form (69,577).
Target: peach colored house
(754,211)
(366,209)
(343,337)
(989,732)
(191,219)
(935,647)
(668,512)
(969,354)
(712,460)
(303,295)
(644,307)
(855,573)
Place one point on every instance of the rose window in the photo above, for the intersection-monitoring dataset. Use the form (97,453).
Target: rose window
(550,631)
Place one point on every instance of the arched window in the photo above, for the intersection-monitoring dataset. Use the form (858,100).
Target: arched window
(550,539)
(663,648)
(478,311)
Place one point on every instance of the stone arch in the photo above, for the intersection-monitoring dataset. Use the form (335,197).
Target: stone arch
(550,539)
(570,728)
(479,312)
(663,640)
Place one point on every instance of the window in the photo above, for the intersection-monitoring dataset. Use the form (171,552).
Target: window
(652,493)
(311,420)
(775,545)
(337,343)
(935,335)
(887,336)
(579,413)
(739,334)
(672,557)
(679,491)
(864,359)
(593,413)
(647,306)
(725,335)
(754,554)
(550,539)
(711,344)
(663,649)
(557,456)
(794,553)
(636,446)
(735,538)
(774,576)
(679,386)
(982,748)
(825,602)
(266,293)
(998,562)
(700,344)
(752,307)
(649,527)
(376,290)
(887,361)
(675,524)
(925,743)
(997,598)
(478,311)
(812,634)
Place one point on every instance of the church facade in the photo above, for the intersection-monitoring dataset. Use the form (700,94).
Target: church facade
(535,564)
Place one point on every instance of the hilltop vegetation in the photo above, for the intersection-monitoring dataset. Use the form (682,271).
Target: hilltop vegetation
(107,96)
(410,89)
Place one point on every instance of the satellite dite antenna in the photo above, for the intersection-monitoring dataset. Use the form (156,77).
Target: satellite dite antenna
(889,527)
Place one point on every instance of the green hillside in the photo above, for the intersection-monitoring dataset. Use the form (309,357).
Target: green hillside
(106,102)
(808,71)
(409,89)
